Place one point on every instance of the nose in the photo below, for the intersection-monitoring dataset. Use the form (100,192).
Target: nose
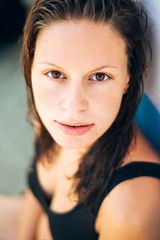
(75,99)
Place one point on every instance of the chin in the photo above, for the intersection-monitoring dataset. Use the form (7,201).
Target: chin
(73,143)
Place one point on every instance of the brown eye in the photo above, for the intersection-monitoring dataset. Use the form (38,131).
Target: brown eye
(55,74)
(100,77)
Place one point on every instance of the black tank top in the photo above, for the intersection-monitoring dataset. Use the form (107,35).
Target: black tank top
(78,224)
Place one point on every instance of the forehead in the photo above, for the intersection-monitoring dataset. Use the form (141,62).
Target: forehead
(72,41)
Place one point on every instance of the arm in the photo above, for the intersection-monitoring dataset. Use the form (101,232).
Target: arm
(30,214)
(132,211)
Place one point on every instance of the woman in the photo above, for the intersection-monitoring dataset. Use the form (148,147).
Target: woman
(84,63)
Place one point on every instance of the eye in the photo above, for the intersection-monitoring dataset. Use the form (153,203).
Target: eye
(55,74)
(100,77)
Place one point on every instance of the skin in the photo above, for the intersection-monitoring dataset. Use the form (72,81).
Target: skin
(77,96)
(77,48)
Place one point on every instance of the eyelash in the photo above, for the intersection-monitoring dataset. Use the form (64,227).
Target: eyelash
(106,77)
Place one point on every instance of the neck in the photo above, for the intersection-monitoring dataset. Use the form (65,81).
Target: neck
(70,155)
(69,160)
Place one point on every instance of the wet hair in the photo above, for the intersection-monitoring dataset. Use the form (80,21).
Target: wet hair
(129,18)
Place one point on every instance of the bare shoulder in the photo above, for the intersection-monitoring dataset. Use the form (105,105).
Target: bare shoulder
(131,211)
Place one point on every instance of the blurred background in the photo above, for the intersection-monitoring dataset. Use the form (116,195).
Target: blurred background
(15,133)
(16,139)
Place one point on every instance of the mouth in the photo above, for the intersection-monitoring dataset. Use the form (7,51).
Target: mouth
(74,129)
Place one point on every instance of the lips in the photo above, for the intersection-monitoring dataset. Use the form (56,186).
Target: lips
(74,129)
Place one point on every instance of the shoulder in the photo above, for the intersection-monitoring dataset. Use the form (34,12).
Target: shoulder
(131,211)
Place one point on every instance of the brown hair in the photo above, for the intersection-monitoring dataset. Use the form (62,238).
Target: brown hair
(129,18)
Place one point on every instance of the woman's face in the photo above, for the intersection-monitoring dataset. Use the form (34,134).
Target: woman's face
(79,76)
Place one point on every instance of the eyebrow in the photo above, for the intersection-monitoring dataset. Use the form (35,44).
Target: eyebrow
(99,68)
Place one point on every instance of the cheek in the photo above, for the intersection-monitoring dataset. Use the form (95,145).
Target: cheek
(44,98)
(114,102)
(109,105)
(111,101)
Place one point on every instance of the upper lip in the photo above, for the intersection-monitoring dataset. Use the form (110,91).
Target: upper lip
(74,123)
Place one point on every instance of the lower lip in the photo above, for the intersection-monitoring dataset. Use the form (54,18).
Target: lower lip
(74,131)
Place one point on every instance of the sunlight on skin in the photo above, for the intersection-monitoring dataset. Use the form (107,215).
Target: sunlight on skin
(75,96)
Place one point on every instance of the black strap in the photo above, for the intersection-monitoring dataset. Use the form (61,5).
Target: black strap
(129,171)
(36,188)
(126,172)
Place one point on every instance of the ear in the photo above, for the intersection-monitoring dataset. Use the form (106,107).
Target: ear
(126,85)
